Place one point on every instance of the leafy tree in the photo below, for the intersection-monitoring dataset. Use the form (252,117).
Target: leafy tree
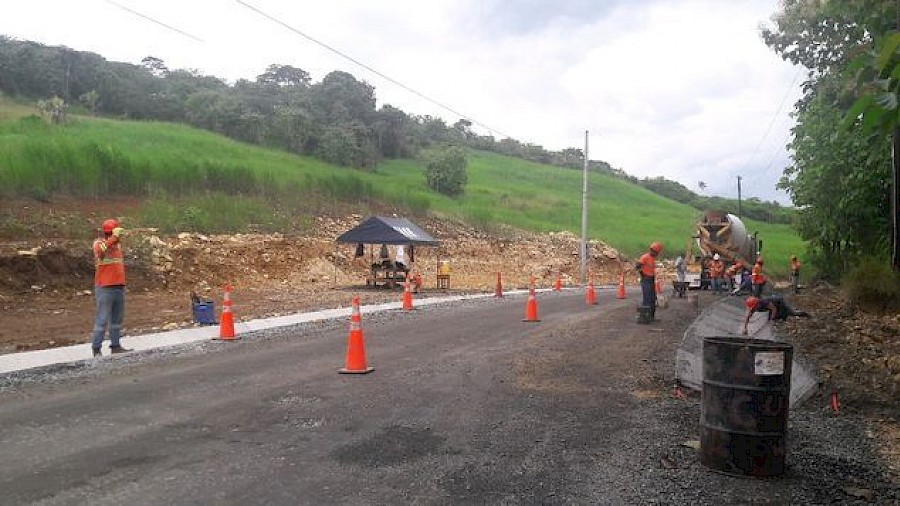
(445,171)
(838,176)
(284,75)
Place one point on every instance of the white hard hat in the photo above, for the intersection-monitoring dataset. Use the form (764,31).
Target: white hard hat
(716,256)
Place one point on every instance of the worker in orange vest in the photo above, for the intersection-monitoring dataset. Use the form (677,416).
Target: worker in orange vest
(757,278)
(795,273)
(647,268)
(716,272)
(109,287)
(775,305)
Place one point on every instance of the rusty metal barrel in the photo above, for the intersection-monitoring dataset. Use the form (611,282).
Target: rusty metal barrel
(744,405)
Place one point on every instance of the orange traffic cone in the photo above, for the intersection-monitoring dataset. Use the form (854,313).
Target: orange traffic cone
(591,296)
(226,325)
(558,286)
(407,297)
(621,293)
(498,292)
(531,308)
(356,347)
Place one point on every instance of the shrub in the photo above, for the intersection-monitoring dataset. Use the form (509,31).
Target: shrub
(445,171)
(873,286)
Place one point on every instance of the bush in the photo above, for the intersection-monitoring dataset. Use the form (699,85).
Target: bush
(445,171)
(872,285)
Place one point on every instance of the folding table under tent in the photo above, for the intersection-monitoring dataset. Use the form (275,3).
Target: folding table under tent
(388,231)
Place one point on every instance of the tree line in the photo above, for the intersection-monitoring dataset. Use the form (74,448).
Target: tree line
(335,119)
(840,178)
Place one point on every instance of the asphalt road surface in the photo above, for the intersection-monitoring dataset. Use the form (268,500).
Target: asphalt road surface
(467,405)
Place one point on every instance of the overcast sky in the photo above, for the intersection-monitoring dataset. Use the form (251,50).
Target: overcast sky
(683,89)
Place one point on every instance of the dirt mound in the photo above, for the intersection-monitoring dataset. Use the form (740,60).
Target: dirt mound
(40,267)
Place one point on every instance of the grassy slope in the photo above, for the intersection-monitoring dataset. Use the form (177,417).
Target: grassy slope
(539,197)
(501,189)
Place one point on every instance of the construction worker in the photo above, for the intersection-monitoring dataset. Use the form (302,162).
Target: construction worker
(716,273)
(757,278)
(647,267)
(775,305)
(109,287)
(730,273)
(795,273)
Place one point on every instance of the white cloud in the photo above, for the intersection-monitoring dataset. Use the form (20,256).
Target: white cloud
(683,89)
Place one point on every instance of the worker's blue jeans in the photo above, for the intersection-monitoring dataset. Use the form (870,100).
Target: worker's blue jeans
(110,313)
(648,291)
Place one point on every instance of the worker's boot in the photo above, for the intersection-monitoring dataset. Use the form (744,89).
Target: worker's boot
(643,314)
(653,313)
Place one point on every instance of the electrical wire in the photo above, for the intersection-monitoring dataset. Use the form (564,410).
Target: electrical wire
(369,68)
(774,117)
(152,20)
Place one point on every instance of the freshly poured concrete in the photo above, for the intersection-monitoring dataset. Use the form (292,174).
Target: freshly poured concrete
(725,318)
(79,352)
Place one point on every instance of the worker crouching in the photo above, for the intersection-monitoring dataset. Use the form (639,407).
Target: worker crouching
(774,304)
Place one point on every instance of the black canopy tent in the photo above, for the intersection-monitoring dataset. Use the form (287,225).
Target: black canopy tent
(388,230)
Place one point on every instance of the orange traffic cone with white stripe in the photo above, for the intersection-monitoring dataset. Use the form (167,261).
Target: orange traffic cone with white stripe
(621,292)
(531,307)
(498,292)
(356,347)
(226,325)
(591,295)
(558,286)
(407,297)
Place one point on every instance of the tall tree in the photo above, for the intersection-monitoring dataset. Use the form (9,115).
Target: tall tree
(837,176)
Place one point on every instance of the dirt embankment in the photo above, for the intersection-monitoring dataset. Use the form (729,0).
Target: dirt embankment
(45,286)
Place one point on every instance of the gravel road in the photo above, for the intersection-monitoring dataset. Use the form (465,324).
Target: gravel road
(467,405)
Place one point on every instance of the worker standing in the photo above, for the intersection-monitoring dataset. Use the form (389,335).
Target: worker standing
(109,287)
(716,272)
(647,267)
(795,273)
(757,278)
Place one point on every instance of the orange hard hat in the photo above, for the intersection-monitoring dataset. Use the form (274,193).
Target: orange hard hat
(657,247)
(752,302)
(109,225)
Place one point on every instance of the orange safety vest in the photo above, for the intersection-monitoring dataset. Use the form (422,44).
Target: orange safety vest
(795,265)
(757,277)
(648,265)
(109,262)
(716,268)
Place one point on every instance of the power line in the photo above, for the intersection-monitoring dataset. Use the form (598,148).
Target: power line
(369,68)
(152,20)
(774,117)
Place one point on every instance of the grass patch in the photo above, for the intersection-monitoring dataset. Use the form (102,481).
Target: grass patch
(213,213)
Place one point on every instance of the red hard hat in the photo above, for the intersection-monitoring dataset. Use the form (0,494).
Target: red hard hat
(109,225)
(752,302)
(657,247)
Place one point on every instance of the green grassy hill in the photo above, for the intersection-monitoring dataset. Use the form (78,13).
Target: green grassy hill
(195,179)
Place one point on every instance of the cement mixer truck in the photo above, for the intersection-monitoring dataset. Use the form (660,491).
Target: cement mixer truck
(724,234)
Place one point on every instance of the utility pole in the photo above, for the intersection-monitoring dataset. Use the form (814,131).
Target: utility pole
(739,197)
(584,214)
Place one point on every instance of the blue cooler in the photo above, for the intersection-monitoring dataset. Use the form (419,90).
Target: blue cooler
(205,312)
